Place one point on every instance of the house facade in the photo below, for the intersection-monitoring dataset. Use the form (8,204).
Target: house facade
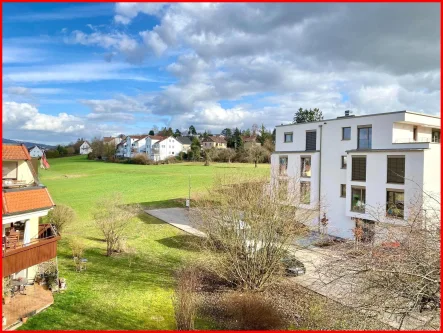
(214,142)
(250,141)
(186,142)
(36,152)
(167,147)
(132,145)
(110,140)
(85,148)
(352,166)
(26,243)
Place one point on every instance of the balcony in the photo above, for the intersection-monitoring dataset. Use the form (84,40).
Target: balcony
(418,140)
(17,255)
(14,183)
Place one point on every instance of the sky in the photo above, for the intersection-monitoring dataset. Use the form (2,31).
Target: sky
(75,70)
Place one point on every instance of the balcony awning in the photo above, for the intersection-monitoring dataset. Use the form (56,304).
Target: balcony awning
(25,200)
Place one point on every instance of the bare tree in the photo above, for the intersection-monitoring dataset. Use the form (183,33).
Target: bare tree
(61,216)
(251,223)
(112,217)
(257,154)
(395,272)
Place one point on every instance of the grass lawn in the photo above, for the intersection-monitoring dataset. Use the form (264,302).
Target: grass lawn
(124,292)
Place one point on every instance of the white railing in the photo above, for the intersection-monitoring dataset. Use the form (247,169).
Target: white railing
(419,140)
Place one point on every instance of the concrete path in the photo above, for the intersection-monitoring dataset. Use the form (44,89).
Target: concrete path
(177,217)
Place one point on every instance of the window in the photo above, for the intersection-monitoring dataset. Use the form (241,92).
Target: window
(311,140)
(288,137)
(282,189)
(306,166)
(346,133)
(365,138)
(436,135)
(358,199)
(367,233)
(344,162)
(396,169)
(305,192)
(9,170)
(414,133)
(343,190)
(283,165)
(395,203)
(359,168)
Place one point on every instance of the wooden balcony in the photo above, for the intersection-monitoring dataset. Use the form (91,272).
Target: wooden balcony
(18,256)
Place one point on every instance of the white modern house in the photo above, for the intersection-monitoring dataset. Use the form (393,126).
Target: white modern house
(165,148)
(85,148)
(131,147)
(352,166)
(36,152)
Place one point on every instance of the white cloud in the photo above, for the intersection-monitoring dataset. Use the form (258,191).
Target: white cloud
(25,91)
(20,54)
(24,116)
(75,72)
(126,11)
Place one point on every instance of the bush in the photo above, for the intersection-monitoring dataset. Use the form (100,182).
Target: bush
(61,216)
(250,311)
(185,298)
(140,159)
(52,153)
(77,247)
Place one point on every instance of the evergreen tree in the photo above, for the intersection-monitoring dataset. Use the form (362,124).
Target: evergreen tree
(151,132)
(177,133)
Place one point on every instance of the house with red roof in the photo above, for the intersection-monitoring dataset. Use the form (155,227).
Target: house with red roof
(25,242)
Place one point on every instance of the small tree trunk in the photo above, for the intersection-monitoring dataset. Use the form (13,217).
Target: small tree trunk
(255,163)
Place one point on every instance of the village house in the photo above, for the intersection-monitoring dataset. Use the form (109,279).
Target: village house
(186,142)
(352,165)
(250,141)
(85,148)
(214,142)
(131,148)
(25,242)
(167,147)
(112,140)
(36,152)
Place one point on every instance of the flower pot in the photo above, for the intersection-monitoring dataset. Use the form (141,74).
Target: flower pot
(24,319)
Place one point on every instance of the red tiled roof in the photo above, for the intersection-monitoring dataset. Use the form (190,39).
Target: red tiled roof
(15,152)
(26,200)
(157,137)
(249,138)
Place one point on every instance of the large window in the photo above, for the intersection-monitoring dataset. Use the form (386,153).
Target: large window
(359,168)
(365,138)
(358,199)
(344,162)
(288,136)
(306,166)
(283,165)
(395,203)
(436,135)
(396,169)
(311,140)
(346,133)
(9,170)
(365,230)
(305,192)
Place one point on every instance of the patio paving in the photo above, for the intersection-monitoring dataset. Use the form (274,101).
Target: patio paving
(177,217)
(36,299)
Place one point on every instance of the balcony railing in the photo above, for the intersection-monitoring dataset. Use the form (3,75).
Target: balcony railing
(18,255)
(418,140)
(15,183)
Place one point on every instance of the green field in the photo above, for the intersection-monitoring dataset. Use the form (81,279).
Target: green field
(127,291)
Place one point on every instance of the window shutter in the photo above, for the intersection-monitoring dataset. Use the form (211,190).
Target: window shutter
(396,170)
(311,140)
(359,168)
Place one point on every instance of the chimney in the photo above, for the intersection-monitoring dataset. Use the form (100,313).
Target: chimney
(347,112)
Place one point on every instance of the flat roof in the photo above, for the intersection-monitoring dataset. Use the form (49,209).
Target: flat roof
(361,116)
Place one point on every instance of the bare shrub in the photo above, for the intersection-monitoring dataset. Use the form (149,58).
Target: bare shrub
(77,247)
(112,218)
(396,275)
(140,159)
(61,216)
(250,226)
(257,154)
(185,298)
(250,311)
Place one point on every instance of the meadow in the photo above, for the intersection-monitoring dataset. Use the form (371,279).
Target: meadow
(129,291)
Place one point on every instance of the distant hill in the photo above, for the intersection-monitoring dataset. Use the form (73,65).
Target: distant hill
(28,144)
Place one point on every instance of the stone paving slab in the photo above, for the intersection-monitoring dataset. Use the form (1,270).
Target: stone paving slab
(177,217)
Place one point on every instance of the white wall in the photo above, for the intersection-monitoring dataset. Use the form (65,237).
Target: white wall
(337,209)
(36,152)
